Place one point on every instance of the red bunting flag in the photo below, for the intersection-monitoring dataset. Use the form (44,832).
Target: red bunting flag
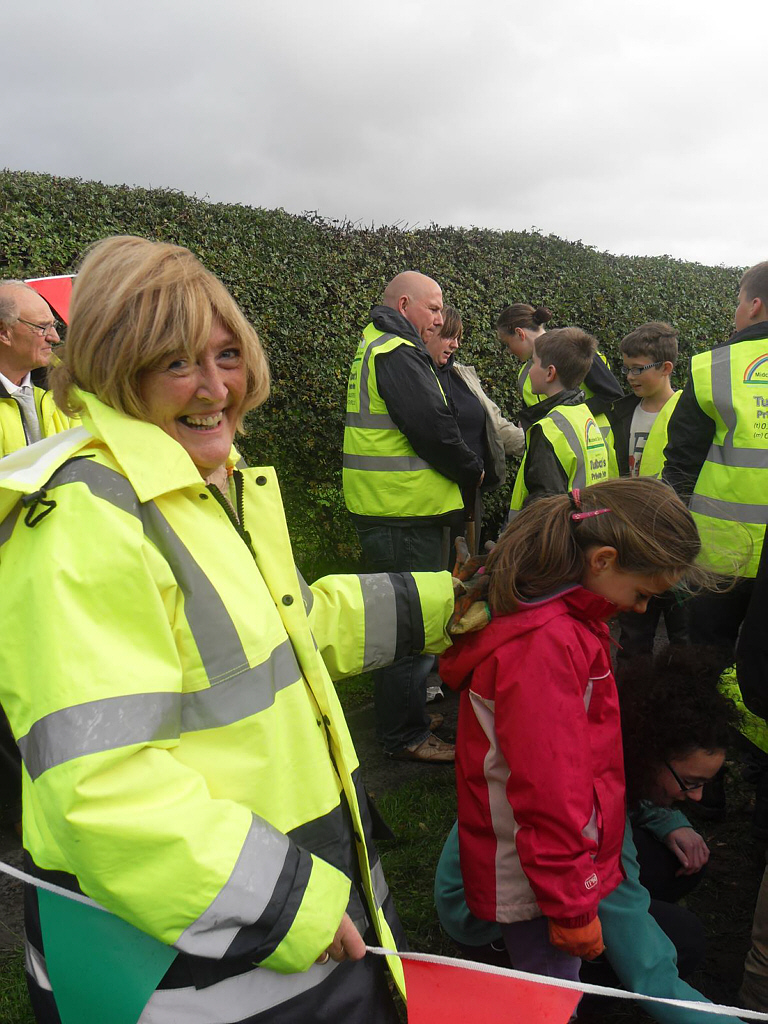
(56,292)
(459,995)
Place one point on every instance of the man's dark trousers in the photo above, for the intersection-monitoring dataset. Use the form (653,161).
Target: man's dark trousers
(400,694)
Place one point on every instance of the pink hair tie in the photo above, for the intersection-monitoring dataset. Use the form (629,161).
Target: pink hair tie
(577,516)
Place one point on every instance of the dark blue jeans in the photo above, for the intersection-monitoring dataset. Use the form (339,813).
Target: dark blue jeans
(400,691)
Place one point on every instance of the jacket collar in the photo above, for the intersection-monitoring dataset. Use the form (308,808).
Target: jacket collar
(533,413)
(389,320)
(581,603)
(38,379)
(469,650)
(751,333)
(151,459)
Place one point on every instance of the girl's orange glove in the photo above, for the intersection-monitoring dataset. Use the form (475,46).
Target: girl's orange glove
(586,942)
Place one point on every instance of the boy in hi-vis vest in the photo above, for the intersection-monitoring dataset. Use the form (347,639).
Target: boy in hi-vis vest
(639,423)
(564,445)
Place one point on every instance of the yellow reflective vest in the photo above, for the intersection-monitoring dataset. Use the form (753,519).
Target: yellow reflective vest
(578,445)
(168,680)
(382,474)
(51,419)
(652,461)
(730,498)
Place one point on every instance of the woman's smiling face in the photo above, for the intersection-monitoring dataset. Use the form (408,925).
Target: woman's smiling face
(198,403)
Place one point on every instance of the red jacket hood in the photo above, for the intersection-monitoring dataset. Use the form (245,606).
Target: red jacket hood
(468,651)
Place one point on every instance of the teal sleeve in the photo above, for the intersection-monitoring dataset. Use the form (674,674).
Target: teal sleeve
(659,821)
(452,910)
(642,956)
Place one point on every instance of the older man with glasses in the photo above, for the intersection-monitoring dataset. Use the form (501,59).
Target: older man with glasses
(28,334)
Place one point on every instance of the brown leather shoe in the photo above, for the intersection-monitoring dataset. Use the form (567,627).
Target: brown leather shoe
(435,720)
(429,751)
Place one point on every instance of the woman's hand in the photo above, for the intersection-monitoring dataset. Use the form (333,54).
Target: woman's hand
(689,848)
(347,944)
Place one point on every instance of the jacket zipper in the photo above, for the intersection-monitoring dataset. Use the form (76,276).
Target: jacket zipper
(238,521)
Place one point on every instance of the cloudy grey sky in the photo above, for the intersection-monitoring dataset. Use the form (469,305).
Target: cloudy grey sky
(638,127)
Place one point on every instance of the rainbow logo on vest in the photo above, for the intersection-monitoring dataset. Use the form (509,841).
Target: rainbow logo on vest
(757,371)
(592,436)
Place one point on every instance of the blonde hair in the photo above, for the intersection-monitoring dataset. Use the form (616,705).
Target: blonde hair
(136,303)
(544,548)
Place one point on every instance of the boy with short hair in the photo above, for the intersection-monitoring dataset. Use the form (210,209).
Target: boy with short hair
(639,420)
(639,423)
(564,445)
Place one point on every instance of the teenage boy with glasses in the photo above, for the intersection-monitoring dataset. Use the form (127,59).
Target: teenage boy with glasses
(639,422)
(639,428)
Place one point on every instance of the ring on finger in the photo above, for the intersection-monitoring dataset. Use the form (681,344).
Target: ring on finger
(324,958)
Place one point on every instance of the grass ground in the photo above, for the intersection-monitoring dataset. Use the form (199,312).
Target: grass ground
(14,1001)
(420,814)
(355,692)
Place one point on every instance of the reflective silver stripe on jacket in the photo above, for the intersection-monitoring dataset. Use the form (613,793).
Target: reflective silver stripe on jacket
(380,606)
(114,722)
(306,593)
(572,438)
(730,511)
(35,966)
(385,463)
(7,525)
(741,458)
(523,377)
(722,391)
(237,692)
(245,895)
(366,418)
(212,628)
(238,998)
(727,454)
(379,883)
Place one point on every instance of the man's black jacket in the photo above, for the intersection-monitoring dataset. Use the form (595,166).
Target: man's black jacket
(691,431)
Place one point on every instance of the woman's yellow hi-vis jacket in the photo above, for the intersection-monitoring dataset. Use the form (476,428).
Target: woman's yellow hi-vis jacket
(187,764)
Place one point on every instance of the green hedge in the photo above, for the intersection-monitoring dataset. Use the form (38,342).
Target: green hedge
(308,284)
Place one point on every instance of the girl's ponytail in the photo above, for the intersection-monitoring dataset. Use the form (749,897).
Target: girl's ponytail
(544,546)
(536,554)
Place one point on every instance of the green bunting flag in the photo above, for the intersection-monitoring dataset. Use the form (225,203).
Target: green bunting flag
(101,968)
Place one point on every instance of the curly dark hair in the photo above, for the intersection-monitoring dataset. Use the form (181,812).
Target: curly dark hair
(670,709)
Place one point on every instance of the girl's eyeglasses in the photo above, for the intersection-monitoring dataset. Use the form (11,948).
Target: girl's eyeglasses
(685,787)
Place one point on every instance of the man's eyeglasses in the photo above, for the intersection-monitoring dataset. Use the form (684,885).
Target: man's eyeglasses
(635,371)
(42,329)
(685,787)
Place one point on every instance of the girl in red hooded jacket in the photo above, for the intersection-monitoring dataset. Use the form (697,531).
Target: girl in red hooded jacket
(541,800)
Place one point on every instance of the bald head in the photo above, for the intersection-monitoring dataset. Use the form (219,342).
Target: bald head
(418,298)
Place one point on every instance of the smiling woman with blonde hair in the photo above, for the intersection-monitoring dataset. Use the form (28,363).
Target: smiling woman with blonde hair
(186,761)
